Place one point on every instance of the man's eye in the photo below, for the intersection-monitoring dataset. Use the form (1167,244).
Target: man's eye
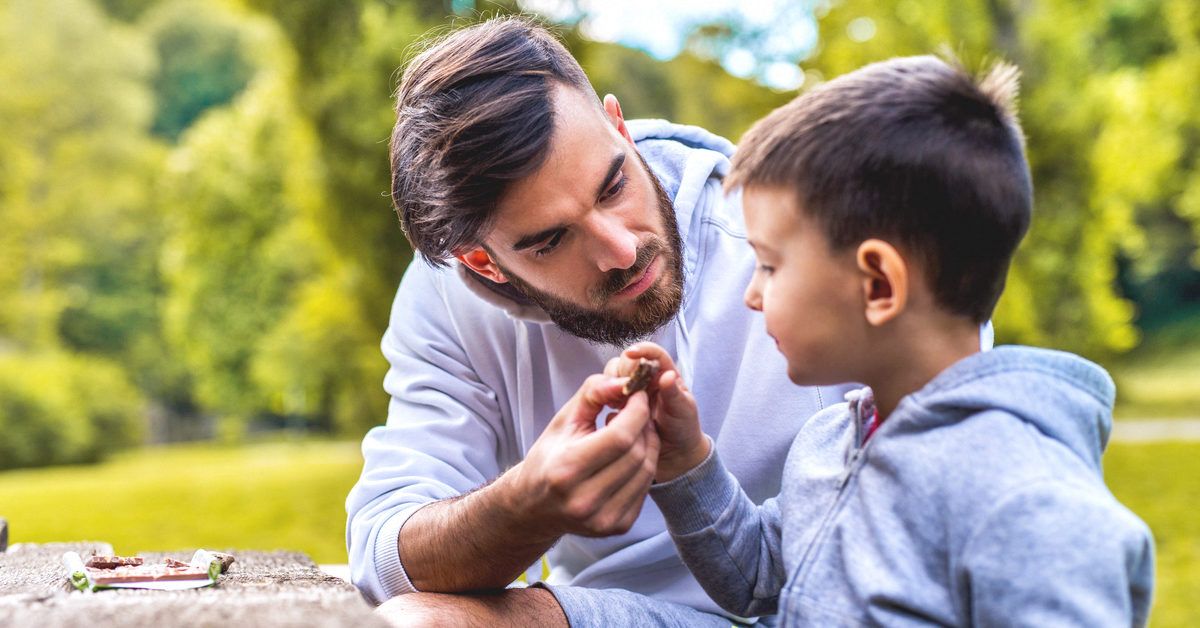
(550,245)
(616,188)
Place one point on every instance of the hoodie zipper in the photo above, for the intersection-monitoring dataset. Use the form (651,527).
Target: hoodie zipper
(804,568)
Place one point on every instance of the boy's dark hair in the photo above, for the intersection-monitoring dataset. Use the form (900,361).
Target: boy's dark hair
(473,115)
(911,149)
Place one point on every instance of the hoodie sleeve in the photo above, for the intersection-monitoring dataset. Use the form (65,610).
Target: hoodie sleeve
(730,545)
(442,436)
(1059,555)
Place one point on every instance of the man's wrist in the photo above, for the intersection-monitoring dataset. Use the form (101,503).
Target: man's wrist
(516,510)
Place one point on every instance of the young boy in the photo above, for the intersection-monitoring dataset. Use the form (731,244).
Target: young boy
(961,487)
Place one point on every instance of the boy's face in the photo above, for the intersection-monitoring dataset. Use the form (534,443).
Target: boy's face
(810,296)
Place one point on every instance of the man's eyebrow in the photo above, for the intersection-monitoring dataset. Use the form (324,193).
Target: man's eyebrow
(531,240)
(613,167)
(537,238)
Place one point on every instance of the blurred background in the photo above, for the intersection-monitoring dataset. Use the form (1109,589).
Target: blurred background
(198,253)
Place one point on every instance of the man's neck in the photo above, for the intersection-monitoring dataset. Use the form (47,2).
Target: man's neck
(912,357)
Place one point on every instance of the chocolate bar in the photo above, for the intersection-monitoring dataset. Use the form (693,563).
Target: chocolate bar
(112,562)
(133,570)
(645,372)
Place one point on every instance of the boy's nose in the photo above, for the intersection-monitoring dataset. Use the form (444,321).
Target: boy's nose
(753,297)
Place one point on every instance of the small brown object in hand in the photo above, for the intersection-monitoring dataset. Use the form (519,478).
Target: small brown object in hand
(645,373)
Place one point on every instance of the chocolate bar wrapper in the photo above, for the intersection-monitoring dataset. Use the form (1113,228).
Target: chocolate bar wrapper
(82,579)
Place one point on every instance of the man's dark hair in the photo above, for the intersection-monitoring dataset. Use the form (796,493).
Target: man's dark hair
(912,149)
(473,115)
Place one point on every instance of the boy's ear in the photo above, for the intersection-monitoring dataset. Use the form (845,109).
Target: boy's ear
(884,281)
(480,261)
(613,109)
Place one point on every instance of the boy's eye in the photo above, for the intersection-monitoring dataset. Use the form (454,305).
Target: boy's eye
(550,245)
(766,270)
(615,189)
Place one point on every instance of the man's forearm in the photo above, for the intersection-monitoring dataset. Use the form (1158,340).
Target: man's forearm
(477,541)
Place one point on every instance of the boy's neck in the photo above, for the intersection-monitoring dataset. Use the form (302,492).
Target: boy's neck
(910,357)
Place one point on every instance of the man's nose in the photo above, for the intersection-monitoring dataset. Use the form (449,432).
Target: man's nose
(615,246)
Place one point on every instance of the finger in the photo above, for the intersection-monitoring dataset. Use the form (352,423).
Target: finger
(596,392)
(601,447)
(612,366)
(633,495)
(647,350)
(619,489)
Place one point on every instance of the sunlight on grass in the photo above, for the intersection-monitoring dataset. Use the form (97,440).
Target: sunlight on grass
(265,496)
(1158,482)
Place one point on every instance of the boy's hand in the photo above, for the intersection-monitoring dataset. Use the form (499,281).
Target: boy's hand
(672,408)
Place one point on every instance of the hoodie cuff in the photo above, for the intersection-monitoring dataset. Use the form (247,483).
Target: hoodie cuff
(694,500)
(392,577)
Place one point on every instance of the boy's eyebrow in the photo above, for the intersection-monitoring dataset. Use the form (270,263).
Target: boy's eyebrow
(757,246)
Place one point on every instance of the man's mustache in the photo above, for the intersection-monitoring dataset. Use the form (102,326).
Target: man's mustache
(618,279)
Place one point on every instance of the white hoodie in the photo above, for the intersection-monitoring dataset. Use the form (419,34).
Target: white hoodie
(475,377)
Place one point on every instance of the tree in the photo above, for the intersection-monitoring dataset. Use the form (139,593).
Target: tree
(77,239)
(1085,109)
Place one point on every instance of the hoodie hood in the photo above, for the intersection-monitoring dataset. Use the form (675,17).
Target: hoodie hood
(1064,396)
(683,158)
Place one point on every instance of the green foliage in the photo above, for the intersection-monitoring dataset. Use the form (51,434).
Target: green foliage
(241,181)
(60,409)
(203,61)
(75,165)
(196,192)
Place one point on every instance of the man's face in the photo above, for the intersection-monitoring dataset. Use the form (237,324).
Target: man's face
(591,236)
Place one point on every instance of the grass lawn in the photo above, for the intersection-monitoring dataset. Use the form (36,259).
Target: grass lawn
(1159,481)
(290,496)
(1159,379)
(287,495)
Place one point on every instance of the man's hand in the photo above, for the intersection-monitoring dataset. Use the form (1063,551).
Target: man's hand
(672,407)
(582,480)
(575,479)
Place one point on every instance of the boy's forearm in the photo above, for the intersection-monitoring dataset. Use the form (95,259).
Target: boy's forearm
(477,541)
(731,545)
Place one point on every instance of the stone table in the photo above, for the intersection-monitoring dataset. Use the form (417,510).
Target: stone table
(260,589)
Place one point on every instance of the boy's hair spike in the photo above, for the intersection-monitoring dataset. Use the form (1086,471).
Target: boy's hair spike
(916,150)
(1002,85)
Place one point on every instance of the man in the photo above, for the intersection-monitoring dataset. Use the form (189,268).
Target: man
(554,233)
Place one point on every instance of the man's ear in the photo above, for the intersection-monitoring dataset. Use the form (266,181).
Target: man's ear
(480,261)
(613,109)
(884,281)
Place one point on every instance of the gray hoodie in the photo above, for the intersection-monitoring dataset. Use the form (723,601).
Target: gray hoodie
(979,501)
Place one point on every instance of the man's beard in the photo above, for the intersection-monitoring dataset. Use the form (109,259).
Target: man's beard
(657,305)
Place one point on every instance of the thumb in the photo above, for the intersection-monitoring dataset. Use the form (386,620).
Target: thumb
(596,392)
